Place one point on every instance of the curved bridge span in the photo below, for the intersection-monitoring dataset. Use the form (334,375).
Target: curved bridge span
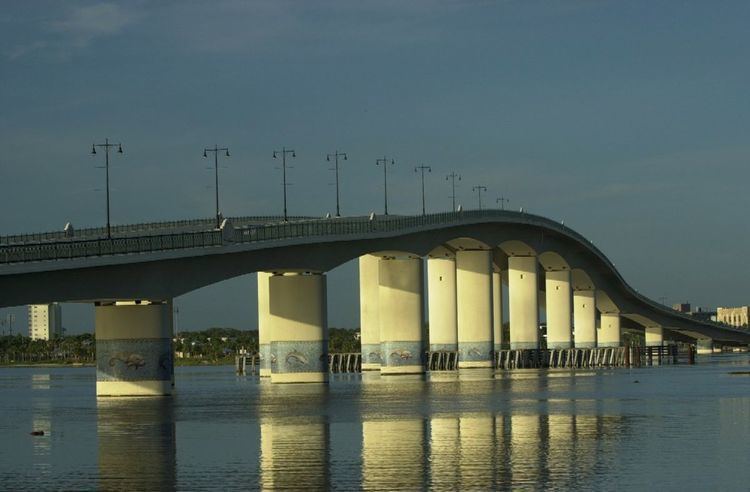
(166,264)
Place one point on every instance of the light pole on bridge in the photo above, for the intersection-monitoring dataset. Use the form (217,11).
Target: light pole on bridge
(336,156)
(384,162)
(216,151)
(284,151)
(106,146)
(453,177)
(502,201)
(423,168)
(479,189)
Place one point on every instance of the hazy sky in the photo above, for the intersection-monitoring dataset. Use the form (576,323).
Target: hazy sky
(627,119)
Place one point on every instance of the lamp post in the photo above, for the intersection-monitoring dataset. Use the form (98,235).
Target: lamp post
(502,201)
(384,162)
(336,156)
(106,146)
(453,177)
(479,189)
(423,168)
(216,151)
(284,151)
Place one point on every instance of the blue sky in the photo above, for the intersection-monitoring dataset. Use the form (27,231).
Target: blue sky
(627,119)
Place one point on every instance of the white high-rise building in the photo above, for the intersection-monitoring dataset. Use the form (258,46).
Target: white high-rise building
(45,321)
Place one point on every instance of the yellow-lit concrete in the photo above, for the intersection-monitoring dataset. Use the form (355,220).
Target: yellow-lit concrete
(558,301)
(441,292)
(134,348)
(299,322)
(584,318)
(523,309)
(474,294)
(401,315)
(133,388)
(369,313)
(654,336)
(497,310)
(609,331)
(393,454)
(264,327)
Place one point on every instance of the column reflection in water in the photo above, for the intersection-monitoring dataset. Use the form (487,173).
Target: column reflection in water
(294,447)
(136,438)
(41,420)
(477,451)
(393,454)
(444,446)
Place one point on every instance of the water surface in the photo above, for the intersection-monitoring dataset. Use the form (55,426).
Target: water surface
(676,428)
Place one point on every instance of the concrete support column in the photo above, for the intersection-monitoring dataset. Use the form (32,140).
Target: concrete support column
(264,325)
(497,311)
(609,331)
(584,318)
(299,323)
(134,348)
(558,295)
(654,336)
(704,346)
(369,313)
(474,294)
(441,293)
(523,309)
(401,315)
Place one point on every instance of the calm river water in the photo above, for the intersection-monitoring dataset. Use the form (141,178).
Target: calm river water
(677,428)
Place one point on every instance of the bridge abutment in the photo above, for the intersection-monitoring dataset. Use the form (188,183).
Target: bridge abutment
(584,318)
(523,302)
(558,296)
(474,309)
(299,328)
(441,292)
(609,332)
(401,315)
(134,348)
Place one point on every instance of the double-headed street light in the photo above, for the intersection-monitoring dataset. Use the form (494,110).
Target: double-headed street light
(336,156)
(216,151)
(479,189)
(284,151)
(106,146)
(423,168)
(502,201)
(453,177)
(384,162)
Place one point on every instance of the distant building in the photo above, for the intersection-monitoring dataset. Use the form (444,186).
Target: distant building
(683,307)
(45,321)
(734,316)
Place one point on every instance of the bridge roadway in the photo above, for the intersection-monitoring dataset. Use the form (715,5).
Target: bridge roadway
(472,253)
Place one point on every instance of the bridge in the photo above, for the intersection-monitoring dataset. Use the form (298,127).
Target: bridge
(471,257)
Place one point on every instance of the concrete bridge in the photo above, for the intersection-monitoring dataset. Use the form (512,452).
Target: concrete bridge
(471,258)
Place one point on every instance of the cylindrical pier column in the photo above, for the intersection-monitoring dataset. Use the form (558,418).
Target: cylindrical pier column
(401,315)
(134,348)
(441,294)
(609,331)
(558,295)
(654,336)
(497,311)
(298,317)
(523,309)
(704,346)
(474,296)
(264,326)
(369,312)
(584,318)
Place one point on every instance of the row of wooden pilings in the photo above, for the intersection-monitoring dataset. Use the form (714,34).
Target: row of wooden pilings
(573,358)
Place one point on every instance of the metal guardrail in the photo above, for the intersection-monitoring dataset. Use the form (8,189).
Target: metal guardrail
(146,228)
